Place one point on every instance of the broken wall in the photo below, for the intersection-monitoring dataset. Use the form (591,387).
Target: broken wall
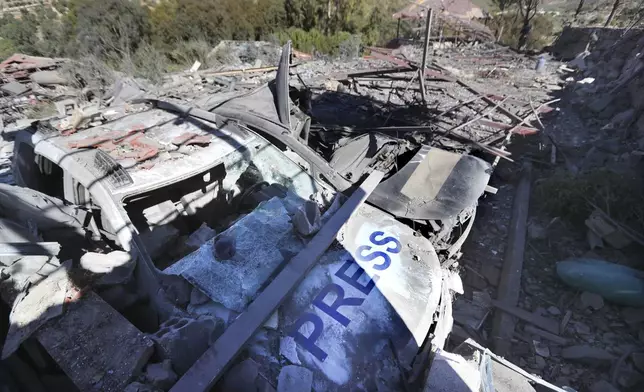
(615,98)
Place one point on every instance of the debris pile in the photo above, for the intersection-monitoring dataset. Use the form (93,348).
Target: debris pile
(176,190)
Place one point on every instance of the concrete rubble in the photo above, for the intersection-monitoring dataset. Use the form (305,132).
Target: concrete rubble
(212,271)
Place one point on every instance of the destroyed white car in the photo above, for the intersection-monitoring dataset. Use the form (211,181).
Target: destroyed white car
(216,203)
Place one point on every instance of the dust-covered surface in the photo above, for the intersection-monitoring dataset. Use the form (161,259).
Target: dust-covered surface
(362,313)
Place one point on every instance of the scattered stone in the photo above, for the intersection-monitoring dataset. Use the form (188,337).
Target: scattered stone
(182,340)
(602,386)
(294,379)
(197,297)
(536,231)
(288,350)
(139,387)
(176,288)
(273,321)
(540,363)
(491,273)
(629,379)
(541,349)
(582,328)
(588,355)
(609,337)
(161,375)
(242,377)
(633,316)
(591,300)
(553,310)
(307,219)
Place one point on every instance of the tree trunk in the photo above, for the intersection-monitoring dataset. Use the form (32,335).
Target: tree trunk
(579,7)
(616,5)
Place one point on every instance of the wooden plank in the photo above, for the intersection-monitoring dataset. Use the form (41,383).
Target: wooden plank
(215,361)
(546,335)
(510,282)
(547,324)
(29,249)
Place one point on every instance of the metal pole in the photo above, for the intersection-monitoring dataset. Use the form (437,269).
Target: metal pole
(423,65)
(428,29)
(398,30)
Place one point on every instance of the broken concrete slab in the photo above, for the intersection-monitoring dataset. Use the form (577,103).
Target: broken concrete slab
(182,340)
(307,219)
(33,308)
(14,88)
(160,375)
(589,355)
(91,326)
(48,78)
(294,379)
(288,350)
(234,282)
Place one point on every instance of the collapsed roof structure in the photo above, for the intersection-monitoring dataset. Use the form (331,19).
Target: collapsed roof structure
(458,15)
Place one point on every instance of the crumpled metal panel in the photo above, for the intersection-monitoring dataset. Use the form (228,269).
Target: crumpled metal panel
(374,291)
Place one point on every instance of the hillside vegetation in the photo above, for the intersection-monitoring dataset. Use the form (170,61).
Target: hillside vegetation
(130,35)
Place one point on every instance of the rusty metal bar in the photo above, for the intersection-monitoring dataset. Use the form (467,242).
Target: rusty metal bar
(215,361)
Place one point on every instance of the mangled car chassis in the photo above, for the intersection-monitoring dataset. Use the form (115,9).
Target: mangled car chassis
(236,228)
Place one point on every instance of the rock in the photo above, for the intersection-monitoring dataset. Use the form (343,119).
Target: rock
(640,126)
(629,379)
(161,375)
(609,338)
(582,328)
(623,119)
(307,219)
(117,266)
(553,310)
(273,321)
(176,288)
(242,377)
(200,236)
(197,297)
(591,300)
(536,231)
(588,355)
(288,350)
(139,387)
(601,103)
(602,386)
(183,340)
(294,379)
(540,363)
(225,247)
(491,273)
(633,316)
(541,349)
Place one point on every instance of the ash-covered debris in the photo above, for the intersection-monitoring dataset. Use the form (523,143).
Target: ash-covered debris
(215,179)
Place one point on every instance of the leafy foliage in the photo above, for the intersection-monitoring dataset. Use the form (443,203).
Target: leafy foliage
(126,34)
